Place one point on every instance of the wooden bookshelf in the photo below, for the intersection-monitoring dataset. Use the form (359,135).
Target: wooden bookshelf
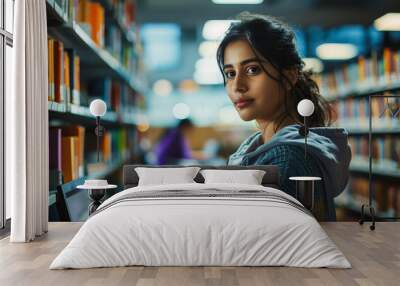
(99,63)
(99,59)
(348,88)
(55,12)
(375,131)
(128,35)
(365,90)
(375,74)
(82,115)
(109,168)
(378,170)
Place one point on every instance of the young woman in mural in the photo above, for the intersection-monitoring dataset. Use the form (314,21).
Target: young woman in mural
(265,80)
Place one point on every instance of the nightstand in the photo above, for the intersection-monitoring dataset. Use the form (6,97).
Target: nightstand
(305,187)
(96,193)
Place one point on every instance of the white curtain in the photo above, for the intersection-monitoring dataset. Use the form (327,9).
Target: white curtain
(27,168)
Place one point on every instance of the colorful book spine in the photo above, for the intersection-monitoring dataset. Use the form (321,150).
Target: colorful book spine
(96,21)
(101,88)
(79,133)
(55,158)
(59,72)
(55,149)
(50,51)
(380,68)
(70,158)
(67,79)
(74,76)
(115,96)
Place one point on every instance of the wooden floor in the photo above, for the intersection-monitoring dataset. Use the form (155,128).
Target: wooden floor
(374,255)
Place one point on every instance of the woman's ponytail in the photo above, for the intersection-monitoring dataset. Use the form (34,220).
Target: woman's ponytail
(307,88)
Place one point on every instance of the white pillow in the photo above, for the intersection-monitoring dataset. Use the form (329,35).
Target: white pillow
(164,176)
(248,177)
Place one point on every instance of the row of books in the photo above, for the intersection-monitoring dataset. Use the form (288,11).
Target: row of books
(354,112)
(92,12)
(118,96)
(378,69)
(125,11)
(63,73)
(386,194)
(66,154)
(385,151)
(71,149)
(66,87)
(92,17)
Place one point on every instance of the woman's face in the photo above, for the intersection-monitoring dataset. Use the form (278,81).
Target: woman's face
(254,94)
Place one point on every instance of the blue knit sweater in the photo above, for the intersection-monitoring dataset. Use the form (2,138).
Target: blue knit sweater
(328,157)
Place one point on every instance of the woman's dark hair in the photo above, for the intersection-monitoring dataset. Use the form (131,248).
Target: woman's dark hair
(273,40)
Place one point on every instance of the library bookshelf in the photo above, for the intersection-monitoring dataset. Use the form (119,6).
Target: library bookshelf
(93,52)
(348,89)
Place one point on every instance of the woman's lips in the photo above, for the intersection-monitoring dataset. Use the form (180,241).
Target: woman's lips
(243,103)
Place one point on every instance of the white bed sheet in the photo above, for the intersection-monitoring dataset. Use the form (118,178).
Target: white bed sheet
(200,231)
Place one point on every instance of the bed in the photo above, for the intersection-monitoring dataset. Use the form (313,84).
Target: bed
(201,224)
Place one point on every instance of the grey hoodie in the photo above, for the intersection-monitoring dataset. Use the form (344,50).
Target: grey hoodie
(328,147)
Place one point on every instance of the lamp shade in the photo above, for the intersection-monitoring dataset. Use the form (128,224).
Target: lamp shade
(305,107)
(98,107)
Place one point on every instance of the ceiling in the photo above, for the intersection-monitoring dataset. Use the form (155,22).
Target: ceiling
(327,13)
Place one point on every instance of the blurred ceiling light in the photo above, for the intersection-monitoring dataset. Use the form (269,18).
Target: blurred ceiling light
(215,29)
(208,49)
(313,64)
(162,87)
(181,110)
(207,72)
(238,1)
(336,51)
(207,64)
(388,22)
(207,78)
(188,85)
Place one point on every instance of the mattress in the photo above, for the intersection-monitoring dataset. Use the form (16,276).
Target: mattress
(201,225)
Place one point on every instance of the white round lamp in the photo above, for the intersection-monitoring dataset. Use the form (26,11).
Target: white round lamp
(98,108)
(305,108)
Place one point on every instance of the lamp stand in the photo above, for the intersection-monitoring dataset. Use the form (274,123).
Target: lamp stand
(96,195)
(99,131)
(303,131)
(305,138)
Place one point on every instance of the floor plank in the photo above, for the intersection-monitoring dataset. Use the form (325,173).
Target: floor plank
(374,255)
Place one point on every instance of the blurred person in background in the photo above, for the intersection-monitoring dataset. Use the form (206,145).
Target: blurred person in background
(173,147)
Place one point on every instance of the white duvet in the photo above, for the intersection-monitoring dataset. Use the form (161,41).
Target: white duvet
(185,231)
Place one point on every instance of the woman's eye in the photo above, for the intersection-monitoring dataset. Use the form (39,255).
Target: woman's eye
(253,70)
(230,74)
